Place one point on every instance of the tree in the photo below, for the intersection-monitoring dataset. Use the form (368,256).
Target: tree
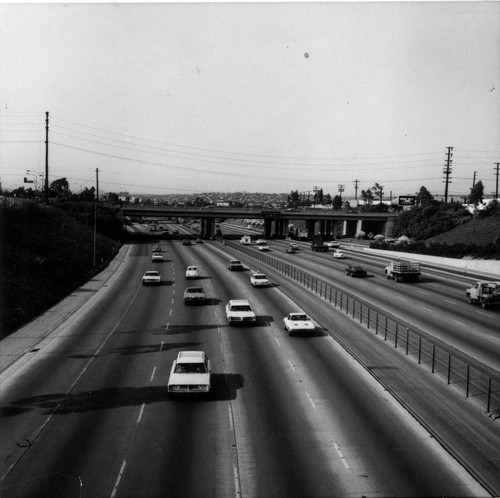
(367,196)
(424,197)
(337,202)
(294,199)
(476,193)
(378,190)
(60,188)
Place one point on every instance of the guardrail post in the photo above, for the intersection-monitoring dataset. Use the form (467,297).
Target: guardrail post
(449,367)
(489,395)
(376,323)
(419,348)
(407,339)
(433,351)
(368,318)
(385,333)
(396,336)
(467,380)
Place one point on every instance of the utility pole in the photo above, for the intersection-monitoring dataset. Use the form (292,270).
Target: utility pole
(315,190)
(496,190)
(47,157)
(341,189)
(474,179)
(97,183)
(356,189)
(447,172)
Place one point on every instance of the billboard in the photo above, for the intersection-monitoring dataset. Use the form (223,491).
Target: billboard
(407,200)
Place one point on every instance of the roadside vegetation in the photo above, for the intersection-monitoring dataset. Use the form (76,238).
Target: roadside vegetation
(47,252)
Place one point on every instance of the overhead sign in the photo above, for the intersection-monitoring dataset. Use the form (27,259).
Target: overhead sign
(407,200)
(271,214)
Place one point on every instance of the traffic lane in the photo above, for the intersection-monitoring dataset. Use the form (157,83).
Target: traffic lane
(56,363)
(457,423)
(451,321)
(112,385)
(266,403)
(349,415)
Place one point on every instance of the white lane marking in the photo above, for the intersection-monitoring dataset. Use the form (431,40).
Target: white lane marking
(401,298)
(236,481)
(276,339)
(140,413)
(483,313)
(342,457)
(291,364)
(154,370)
(424,293)
(450,302)
(459,323)
(161,346)
(310,400)
(118,479)
(426,309)
(230,410)
(170,314)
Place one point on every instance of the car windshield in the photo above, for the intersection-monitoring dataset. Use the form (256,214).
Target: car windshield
(235,262)
(190,368)
(299,317)
(152,273)
(261,277)
(241,307)
(194,290)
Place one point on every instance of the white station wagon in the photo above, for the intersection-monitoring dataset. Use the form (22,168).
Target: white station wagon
(296,323)
(190,373)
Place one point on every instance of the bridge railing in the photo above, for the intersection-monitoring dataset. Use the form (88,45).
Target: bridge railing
(472,377)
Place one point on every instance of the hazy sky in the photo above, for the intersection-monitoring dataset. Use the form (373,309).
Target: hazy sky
(262,97)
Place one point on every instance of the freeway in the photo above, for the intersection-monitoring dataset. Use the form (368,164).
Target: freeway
(89,414)
(436,304)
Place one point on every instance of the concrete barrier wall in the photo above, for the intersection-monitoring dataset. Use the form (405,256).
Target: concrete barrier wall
(488,267)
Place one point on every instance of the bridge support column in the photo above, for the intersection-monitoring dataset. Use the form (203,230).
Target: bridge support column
(207,228)
(310,224)
(267,227)
(359,226)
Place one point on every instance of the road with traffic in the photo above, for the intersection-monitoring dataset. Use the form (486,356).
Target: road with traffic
(88,412)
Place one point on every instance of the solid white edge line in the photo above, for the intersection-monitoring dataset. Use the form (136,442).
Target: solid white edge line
(310,400)
(154,371)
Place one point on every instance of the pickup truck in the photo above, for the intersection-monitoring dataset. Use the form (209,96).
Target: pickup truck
(485,293)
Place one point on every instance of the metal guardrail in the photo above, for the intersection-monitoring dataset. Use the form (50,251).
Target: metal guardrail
(456,368)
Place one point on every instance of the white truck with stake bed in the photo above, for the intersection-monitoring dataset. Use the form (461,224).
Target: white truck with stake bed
(406,271)
(486,293)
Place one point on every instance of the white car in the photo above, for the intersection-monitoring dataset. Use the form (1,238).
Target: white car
(194,295)
(151,278)
(157,257)
(332,243)
(338,254)
(192,272)
(259,280)
(296,323)
(190,373)
(261,241)
(263,247)
(240,311)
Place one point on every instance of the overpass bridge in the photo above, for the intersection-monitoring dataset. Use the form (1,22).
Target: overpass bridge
(317,221)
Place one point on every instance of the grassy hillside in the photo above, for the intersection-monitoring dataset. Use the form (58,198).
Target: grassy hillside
(45,255)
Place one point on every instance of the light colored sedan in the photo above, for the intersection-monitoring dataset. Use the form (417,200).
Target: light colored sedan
(259,280)
(190,373)
(151,278)
(338,254)
(298,323)
(192,272)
